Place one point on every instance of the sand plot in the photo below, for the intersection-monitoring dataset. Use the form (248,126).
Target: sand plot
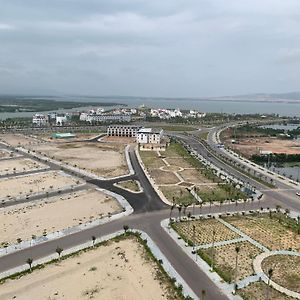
(286,270)
(7,154)
(10,166)
(268,231)
(252,146)
(53,214)
(16,140)
(118,270)
(20,186)
(225,257)
(107,160)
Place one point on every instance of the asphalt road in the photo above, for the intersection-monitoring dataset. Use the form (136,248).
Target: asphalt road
(149,210)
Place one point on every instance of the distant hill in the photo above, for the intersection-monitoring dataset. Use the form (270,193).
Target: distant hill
(290,97)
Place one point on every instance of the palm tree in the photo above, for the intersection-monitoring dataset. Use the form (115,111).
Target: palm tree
(59,250)
(237,250)
(179,211)
(213,249)
(29,261)
(93,240)
(171,209)
(221,202)
(270,274)
(125,227)
(210,203)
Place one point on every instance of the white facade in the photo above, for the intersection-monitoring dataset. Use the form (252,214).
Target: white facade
(39,120)
(149,136)
(61,119)
(123,130)
(93,118)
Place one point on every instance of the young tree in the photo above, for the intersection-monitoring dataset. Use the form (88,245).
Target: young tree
(237,250)
(59,250)
(29,261)
(270,274)
(125,227)
(93,240)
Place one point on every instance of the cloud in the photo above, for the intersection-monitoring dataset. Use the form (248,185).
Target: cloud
(4,26)
(142,47)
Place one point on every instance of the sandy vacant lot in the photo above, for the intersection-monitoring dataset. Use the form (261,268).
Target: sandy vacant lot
(115,271)
(107,160)
(9,166)
(52,214)
(16,140)
(6,154)
(33,183)
(252,146)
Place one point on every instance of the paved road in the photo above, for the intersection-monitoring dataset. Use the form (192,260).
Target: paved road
(149,211)
(284,195)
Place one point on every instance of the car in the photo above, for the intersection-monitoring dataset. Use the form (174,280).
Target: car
(298,194)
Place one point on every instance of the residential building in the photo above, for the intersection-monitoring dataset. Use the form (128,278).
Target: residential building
(123,130)
(39,120)
(94,118)
(149,136)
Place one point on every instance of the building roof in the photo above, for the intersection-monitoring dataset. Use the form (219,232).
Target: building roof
(150,130)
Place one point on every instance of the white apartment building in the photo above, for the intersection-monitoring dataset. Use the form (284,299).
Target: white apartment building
(149,136)
(93,118)
(123,130)
(39,120)
(61,119)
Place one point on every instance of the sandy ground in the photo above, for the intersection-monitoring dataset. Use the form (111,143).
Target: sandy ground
(251,146)
(118,139)
(116,271)
(33,183)
(6,154)
(10,166)
(79,137)
(16,140)
(53,214)
(103,159)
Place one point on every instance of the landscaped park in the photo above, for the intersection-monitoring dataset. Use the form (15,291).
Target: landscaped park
(176,172)
(242,248)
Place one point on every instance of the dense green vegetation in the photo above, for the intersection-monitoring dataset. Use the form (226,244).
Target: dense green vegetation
(275,158)
(31,104)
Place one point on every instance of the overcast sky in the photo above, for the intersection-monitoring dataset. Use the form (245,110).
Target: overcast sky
(172,48)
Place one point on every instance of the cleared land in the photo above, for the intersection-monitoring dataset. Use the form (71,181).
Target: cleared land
(270,232)
(286,270)
(6,154)
(53,214)
(10,166)
(117,270)
(33,183)
(250,146)
(131,185)
(204,231)
(102,159)
(225,257)
(258,291)
(17,140)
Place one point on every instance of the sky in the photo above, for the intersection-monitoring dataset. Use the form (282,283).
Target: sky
(163,48)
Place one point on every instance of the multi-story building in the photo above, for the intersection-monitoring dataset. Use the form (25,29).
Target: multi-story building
(94,118)
(39,120)
(149,136)
(123,130)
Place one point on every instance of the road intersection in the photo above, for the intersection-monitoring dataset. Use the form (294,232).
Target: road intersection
(148,213)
